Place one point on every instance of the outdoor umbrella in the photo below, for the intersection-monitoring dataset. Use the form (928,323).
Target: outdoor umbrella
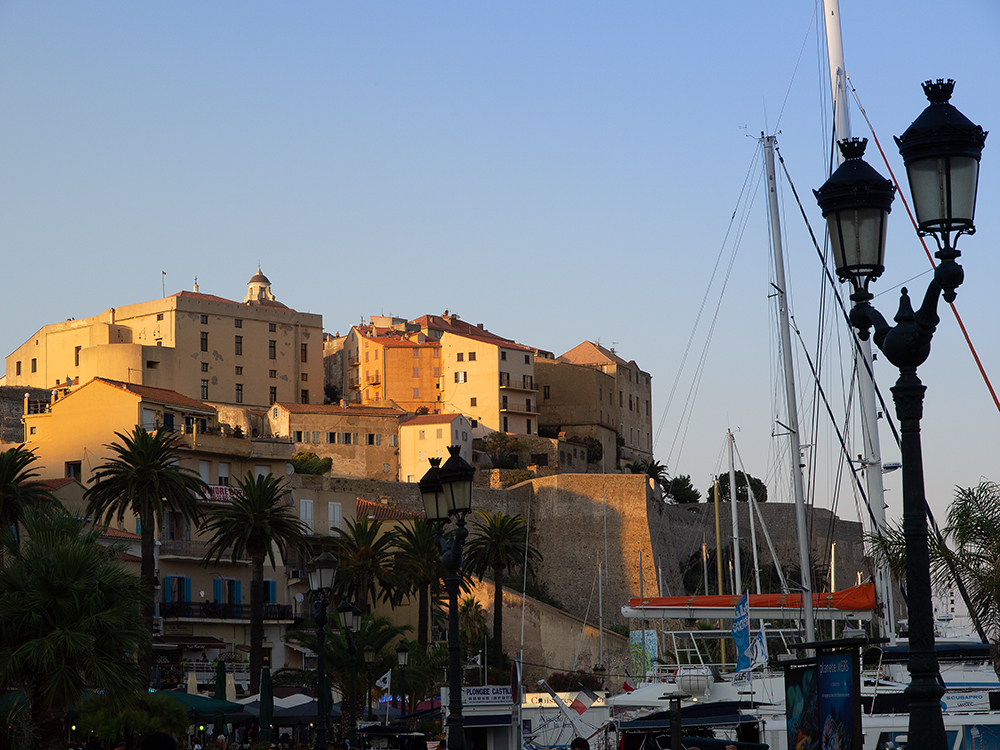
(203,707)
(266,705)
(220,695)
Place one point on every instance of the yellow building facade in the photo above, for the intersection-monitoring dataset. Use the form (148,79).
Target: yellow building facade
(427,436)
(251,353)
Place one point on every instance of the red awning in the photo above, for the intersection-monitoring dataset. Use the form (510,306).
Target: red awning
(854,598)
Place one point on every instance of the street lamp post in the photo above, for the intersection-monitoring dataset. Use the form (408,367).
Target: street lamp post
(941,151)
(402,657)
(350,618)
(369,663)
(322,571)
(446,492)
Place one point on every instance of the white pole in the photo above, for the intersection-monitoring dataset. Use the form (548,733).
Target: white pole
(738,580)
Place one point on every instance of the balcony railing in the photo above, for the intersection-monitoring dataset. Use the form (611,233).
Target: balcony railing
(374,379)
(525,384)
(195,548)
(217,611)
(517,409)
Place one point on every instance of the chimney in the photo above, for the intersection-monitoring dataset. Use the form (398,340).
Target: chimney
(479,326)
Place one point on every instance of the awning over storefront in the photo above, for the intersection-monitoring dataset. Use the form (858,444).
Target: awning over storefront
(192,642)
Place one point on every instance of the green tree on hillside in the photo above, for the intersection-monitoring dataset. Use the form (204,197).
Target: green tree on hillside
(758,487)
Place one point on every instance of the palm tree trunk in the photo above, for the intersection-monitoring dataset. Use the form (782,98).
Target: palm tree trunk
(498,616)
(423,615)
(147,572)
(256,620)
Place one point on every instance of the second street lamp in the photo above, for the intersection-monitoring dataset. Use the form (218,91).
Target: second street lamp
(941,151)
(350,620)
(446,492)
(369,663)
(402,657)
(322,571)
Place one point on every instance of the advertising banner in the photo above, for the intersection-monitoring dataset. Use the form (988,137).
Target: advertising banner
(839,701)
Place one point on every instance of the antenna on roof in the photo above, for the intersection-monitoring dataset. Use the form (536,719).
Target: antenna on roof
(613,345)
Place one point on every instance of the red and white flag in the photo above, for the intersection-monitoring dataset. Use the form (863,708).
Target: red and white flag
(627,686)
(584,700)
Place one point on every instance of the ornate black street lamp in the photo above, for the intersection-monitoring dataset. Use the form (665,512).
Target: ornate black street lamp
(322,571)
(941,151)
(402,657)
(447,492)
(350,619)
(369,663)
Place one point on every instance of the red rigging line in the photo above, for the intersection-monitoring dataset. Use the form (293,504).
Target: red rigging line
(927,252)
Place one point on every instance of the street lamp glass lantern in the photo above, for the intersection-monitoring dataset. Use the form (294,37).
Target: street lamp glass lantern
(402,653)
(322,571)
(456,478)
(941,150)
(433,494)
(344,610)
(856,202)
(355,618)
(369,654)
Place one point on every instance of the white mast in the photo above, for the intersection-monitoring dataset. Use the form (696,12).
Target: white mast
(738,580)
(872,459)
(792,412)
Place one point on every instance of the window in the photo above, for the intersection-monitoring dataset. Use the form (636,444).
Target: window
(437,372)
(306,513)
(32,431)
(472,356)
(204,320)
(76,356)
(315,436)
(529,427)
(204,389)
(460,357)
(505,424)
(239,370)
(370,438)
(159,316)
(630,402)
(204,366)
(304,377)
(385,468)
(34,365)
(275,412)
(17,367)
(420,435)
(436,353)
(224,473)
(333,516)
(239,393)
(272,327)
(461,377)
(416,393)
(393,440)
(416,353)
(272,349)
(298,436)
(347,436)
(647,407)
(273,396)
(473,401)
(331,437)
(303,352)
(304,397)
(416,372)
(620,400)
(205,471)
(527,359)
(423,456)
(527,404)
(503,402)
(475,423)
(272,373)
(376,355)
(204,341)
(74,470)
(503,354)
(239,345)
(439,434)
(238,322)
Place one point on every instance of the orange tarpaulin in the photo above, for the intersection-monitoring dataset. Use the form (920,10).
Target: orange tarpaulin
(856,598)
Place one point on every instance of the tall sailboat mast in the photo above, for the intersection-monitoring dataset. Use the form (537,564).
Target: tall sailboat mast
(792,412)
(872,457)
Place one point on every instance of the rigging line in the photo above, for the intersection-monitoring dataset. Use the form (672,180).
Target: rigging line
(927,508)
(927,252)
(795,69)
(586,617)
(732,219)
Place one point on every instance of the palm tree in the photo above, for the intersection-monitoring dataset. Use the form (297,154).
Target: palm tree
(419,567)
(499,542)
(255,524)
(18,490)
(145,478)
(366,562)
(69,620)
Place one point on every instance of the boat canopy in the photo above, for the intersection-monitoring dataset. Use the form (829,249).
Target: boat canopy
(855,603)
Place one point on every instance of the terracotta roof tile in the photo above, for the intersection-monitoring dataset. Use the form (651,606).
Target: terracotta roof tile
(382,512)
(54,484)
(430,419)
(163,395)
(341,411)
(120,534)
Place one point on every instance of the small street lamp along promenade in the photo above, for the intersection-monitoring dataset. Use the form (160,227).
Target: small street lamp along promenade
(369,663)
(350,618)
(322,571)
(446,492)
(941,151)
(402,657)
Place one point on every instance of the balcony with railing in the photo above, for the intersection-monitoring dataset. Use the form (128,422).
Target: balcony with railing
(195,549)
(517,408)
(526,383)
(219,611)
(375,379)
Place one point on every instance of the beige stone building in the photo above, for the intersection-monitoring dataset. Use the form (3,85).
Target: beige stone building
(429,435)
(630,399)
(363,441)
(251,353)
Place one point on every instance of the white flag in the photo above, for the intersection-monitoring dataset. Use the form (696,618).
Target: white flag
(758,651)
(384,681)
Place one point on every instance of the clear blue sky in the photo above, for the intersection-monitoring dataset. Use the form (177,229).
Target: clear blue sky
(559,171)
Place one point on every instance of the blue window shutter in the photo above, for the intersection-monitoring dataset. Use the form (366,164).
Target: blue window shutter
(272,592)
(237,593)
(187,589)
(167,580)
(138,526)
(217,589)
